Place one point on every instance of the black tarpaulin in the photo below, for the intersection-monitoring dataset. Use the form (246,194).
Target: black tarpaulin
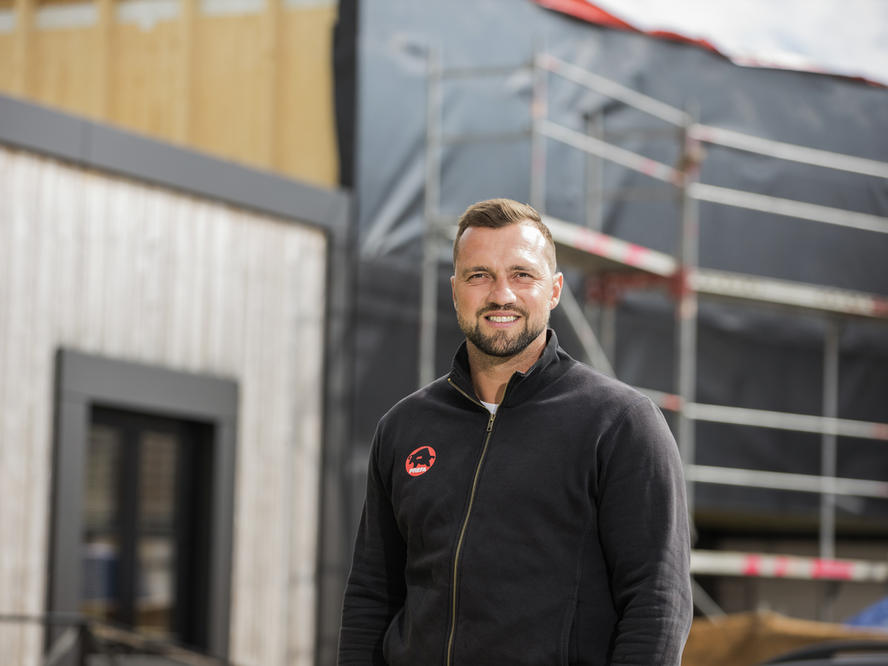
(761,359)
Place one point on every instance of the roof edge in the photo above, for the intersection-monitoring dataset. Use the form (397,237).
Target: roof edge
(587,11)
(26,125)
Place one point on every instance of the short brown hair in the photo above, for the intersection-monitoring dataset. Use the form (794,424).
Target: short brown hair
(497,213)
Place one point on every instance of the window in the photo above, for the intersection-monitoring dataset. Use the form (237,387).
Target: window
(145,511)
(142,513)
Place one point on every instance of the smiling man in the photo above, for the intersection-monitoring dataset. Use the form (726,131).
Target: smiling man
(525,509)
(504,286)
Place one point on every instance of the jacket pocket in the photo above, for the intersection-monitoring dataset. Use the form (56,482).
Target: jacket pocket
(393,641)
(572,643)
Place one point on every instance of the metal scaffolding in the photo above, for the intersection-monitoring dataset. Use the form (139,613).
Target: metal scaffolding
(618,266)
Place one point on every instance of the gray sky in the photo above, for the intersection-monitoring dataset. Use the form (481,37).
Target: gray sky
(839,36)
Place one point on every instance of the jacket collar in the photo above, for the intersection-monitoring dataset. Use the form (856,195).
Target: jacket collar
(553,363)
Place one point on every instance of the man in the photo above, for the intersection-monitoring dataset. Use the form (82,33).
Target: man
(525,509)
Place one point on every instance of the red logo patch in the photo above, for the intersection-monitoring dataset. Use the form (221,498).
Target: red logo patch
(421,460)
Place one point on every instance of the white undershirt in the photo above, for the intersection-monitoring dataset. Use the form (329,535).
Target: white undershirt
(490,406)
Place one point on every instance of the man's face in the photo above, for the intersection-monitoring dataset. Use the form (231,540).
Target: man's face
(504,288)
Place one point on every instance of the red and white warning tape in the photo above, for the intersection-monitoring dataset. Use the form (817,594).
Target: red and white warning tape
(609,247)
(726,563)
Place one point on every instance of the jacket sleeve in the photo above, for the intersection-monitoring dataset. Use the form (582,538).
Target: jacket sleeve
(376,588)
(643,527)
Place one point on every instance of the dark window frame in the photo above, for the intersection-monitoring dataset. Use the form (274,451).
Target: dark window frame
(84,381)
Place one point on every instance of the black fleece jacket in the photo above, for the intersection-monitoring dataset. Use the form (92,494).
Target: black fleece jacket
(553,533)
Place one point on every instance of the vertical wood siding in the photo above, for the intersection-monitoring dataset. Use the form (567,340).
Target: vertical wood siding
(110,267)
(251,81)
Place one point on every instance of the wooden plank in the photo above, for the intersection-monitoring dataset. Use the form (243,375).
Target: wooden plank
(145,75)
(231,289)
(269,651)
(8,178)
(64,70)
(216,272)
(15,449)
(94,253)
(279,432)
(269,67)
(180,275)
(138,223)
(8,174)
(197,293)
(235,344)
(225,114)
(131,218)
(304,259)
(103,58)
(247,632)
(307,133)
(120,290)
(23,47)
(8,44)
(34,500)
(158,212)
(185,78)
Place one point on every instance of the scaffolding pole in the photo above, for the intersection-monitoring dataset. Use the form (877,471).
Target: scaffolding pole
(789,208)
(612,89)
(710,193)
(762,418)
(804,483)
(828,457)
(608,151)
(600,313)
(686,314)
(788,151)
(431,239)
(790,295)
(594,175)
(595,352)
(828,466)
(538,112)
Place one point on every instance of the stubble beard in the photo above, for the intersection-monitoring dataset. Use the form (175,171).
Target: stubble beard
(500,345)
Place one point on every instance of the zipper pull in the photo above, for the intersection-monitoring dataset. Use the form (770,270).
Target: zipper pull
(490,422)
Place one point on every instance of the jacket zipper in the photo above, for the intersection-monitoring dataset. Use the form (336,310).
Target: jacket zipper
(462,532)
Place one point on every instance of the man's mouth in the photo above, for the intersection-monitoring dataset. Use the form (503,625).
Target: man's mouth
(501,320)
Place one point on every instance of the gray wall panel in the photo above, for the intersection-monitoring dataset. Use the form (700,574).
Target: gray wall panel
(111,383)
(37,128)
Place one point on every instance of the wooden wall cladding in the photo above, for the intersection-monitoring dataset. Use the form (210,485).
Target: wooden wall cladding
(247,80)
(110,267)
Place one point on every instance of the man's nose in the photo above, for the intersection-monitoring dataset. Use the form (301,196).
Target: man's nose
(502,293)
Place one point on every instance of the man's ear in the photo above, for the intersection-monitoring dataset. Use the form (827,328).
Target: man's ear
(453,289)
(557,286)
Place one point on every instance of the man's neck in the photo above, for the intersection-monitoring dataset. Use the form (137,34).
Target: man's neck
(490,374)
